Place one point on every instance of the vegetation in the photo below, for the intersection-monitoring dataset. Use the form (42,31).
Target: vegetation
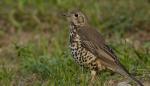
(34,40)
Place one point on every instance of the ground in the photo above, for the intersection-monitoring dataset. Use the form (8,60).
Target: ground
(34,40)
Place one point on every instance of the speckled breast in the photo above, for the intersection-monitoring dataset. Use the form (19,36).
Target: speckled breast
(80,54)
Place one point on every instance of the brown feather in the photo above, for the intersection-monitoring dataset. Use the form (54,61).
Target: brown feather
(94,42)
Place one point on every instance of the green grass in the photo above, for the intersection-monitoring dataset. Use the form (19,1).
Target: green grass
(34,40)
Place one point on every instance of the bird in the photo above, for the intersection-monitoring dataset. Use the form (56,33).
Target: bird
(89,49)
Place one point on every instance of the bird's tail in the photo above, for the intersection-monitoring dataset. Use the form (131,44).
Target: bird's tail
(136,80)
(124,72)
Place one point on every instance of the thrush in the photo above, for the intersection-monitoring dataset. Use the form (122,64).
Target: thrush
(90,50)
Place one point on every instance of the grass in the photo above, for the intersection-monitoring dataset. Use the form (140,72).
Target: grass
(34,40)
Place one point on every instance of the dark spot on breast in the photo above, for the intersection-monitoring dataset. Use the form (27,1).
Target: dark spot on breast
(75,53)
(90,57)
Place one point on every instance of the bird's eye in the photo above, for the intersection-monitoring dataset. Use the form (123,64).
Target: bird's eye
(76,15)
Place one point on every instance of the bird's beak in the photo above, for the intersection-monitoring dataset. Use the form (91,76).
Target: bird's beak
(66,14)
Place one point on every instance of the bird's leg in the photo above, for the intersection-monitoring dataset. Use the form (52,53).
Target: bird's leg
(93,78)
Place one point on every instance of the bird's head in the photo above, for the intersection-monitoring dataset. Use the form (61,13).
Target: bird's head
(76,18)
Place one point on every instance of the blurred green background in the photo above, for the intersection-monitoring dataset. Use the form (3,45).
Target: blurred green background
(34,40)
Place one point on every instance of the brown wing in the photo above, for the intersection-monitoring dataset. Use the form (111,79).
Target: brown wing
(94,42)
